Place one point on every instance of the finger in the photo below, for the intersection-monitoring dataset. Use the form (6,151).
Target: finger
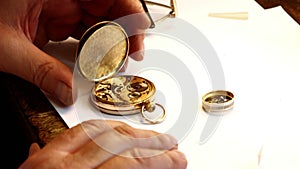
(89,20)
(72,139)
(79,31)
(97,7)
(121,139)
(136,48)
(165,160)
(60,149)
(123,10)
(117,10)
(20,57)
(33,149)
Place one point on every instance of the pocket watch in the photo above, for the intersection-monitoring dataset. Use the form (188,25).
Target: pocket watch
(101,53)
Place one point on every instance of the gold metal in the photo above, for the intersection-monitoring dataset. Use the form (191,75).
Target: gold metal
(101,53)
(172,7)
(218,101)
(154,121)
(123,95)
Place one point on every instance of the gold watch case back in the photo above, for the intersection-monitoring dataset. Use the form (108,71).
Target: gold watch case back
(102,51)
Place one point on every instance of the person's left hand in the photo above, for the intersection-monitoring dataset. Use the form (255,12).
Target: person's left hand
(107,144)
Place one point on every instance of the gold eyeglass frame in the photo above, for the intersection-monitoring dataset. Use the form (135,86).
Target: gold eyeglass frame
(172,7)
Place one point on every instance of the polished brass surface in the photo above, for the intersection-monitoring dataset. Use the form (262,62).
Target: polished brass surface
(152,7)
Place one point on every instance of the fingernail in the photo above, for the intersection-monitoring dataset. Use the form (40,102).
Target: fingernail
(142,53)
(138,56)
(175,147)
(173,141)
(64,93)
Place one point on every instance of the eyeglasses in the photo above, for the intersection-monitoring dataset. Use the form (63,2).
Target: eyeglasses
(150,7)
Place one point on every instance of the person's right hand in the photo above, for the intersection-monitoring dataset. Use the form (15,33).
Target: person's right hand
(27,25)
(104,145)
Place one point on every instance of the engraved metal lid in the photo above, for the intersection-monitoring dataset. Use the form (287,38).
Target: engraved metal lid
(102,51)
(217,101)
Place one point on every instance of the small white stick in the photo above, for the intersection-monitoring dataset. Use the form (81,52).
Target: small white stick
(231,15)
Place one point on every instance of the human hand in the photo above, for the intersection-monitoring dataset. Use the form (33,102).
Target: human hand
(107,144)
(26,26)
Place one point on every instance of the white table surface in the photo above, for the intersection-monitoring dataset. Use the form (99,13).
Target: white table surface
(260,57)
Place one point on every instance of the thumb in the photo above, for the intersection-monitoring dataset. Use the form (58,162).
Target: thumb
(34,147)
(22,58)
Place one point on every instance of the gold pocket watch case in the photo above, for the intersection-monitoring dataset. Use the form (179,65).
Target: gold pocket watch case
(101,53)
(217,101)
